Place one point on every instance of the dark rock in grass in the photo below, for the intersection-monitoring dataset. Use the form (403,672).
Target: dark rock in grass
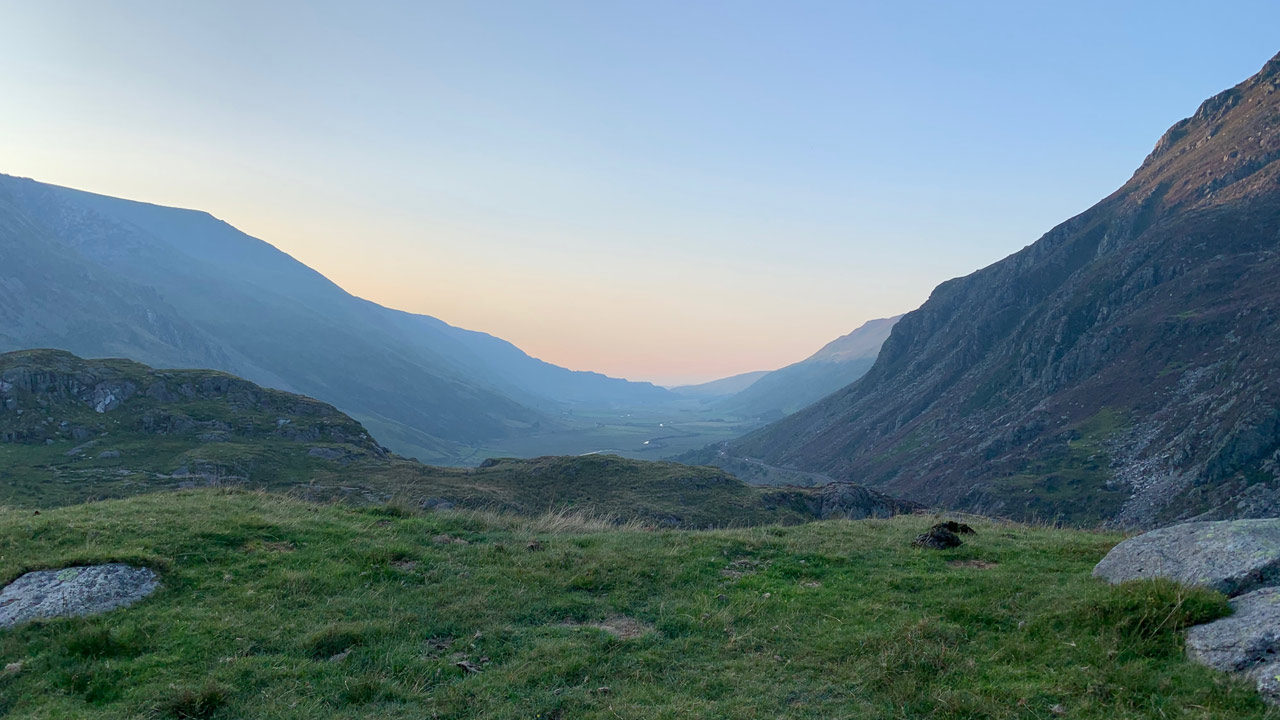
(74,592)
(955,527)
(108,454)
(938,538)
(1245,642)
(437,503)
(1232,557)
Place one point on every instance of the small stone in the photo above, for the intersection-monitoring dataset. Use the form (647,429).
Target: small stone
(13,668)
(534,546)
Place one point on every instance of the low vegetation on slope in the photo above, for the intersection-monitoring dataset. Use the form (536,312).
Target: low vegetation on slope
(276,608)
(73,430)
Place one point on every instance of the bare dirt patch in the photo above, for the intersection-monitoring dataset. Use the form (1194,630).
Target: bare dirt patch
(975,564)
(619,626)
(742,568)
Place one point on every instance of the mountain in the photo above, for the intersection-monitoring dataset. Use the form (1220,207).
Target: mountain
(795,386)
(101,276)
(1125,367)
(722,387)
(73,430)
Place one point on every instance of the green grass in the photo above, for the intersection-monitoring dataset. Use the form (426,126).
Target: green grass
(182,428)
(277,608)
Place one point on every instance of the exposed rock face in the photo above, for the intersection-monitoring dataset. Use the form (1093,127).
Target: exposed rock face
(1232,557)
(73,592)
(54,395)
(1247,641)
(855,502)
(1124,367)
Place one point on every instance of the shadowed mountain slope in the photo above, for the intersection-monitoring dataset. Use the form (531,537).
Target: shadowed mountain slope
(722,387)
(1124,367)
(102,276)
(795,386)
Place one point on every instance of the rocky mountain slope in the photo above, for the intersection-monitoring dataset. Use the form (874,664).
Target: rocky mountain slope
(73,430)
(1124,367)
(105,277)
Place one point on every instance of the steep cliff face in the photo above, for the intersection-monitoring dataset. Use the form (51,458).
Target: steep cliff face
(1125,367)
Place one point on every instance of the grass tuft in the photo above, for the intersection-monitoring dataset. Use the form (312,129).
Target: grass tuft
(335,639)
(198,703)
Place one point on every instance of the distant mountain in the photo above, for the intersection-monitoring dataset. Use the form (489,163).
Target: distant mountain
(73,430)
(722,387)
(798,385)
(101,276)
(1125,367)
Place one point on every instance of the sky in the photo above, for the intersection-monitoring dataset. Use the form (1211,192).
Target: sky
(664,191)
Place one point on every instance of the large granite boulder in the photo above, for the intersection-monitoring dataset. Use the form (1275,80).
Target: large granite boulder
(73,592)
(1246,641)
(1232,556)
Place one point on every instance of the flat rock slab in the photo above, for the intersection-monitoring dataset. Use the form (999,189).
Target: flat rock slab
(1248,637)
(1232,556)
(1245,642)
(74,592)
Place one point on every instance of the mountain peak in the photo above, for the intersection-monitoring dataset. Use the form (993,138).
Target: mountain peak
(1229,144)
(1123,368)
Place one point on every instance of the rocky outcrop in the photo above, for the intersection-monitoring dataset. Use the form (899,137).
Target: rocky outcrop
(855,502)
(74,592)
(1232,557)
(1240,559)
(1248,641)
(54,395)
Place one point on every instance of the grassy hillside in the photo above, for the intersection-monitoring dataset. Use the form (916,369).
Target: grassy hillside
(73,430)
(276,608)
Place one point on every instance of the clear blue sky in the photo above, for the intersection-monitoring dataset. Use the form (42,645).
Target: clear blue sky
(660,190)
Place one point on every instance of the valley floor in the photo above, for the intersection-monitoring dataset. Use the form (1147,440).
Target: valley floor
(277,608)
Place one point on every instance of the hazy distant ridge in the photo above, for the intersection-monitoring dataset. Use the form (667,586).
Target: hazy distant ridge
(101,276)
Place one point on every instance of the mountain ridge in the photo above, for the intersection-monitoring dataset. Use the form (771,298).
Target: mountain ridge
(835,365)
(224,299)
(1118,369)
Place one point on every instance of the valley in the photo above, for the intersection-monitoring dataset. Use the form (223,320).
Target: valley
(645,433)
(234,486)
